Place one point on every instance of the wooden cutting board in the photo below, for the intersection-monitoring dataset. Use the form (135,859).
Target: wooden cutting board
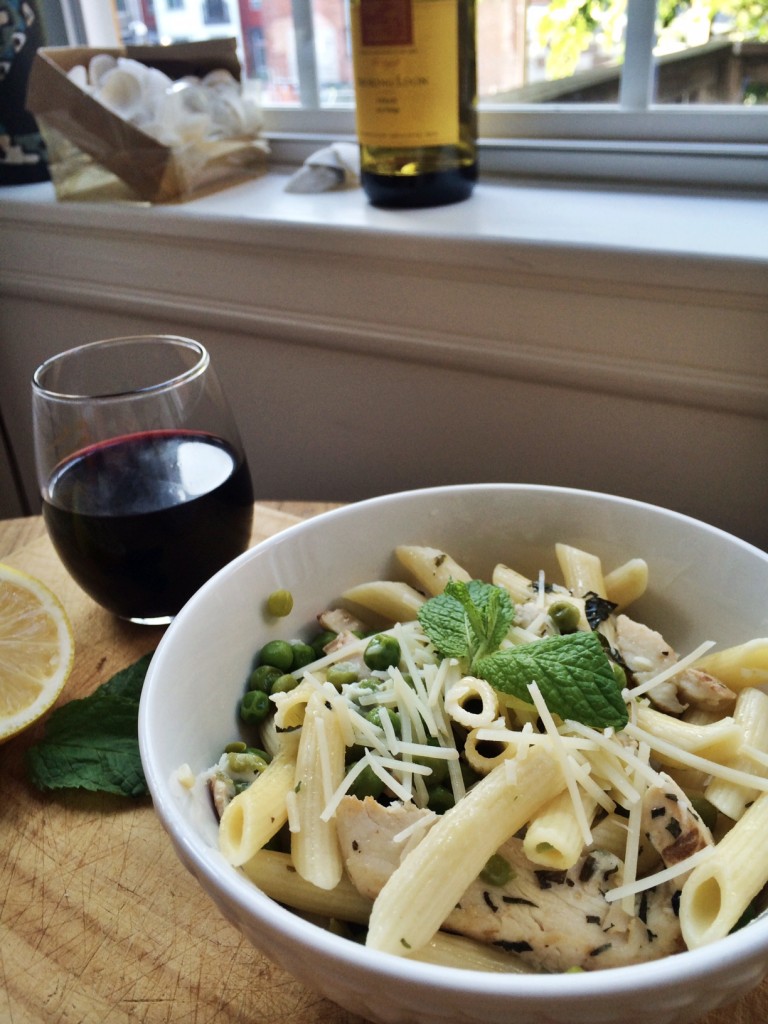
(99,922)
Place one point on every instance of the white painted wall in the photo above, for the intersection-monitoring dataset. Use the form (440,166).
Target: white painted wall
(616,342)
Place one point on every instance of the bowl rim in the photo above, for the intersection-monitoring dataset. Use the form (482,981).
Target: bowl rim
(747,945)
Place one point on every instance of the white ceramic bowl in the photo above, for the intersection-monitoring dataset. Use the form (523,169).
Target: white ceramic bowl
(705,584)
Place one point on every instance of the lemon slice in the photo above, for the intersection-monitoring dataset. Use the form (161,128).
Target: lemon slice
(36,650)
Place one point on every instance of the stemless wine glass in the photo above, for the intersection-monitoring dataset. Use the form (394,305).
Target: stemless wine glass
(145,485)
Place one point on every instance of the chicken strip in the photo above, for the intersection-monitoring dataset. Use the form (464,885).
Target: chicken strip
(671,824)
(555,920)
(646,653)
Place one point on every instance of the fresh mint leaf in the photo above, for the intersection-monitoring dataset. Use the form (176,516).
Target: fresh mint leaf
(468,620)
(572,671)
(93,743)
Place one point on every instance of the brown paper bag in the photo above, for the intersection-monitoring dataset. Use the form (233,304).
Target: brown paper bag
(95,154)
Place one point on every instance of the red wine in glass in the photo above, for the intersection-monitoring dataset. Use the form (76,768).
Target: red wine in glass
(142,521)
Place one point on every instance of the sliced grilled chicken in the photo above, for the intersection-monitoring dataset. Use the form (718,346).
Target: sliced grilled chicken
(555,920)
(646,653)
(671,824)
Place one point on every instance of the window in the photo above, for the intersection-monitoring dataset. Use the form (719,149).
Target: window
(675,90)
(215,12)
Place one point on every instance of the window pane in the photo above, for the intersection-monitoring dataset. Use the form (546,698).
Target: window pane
(529,51)
(712,52)
(550,51)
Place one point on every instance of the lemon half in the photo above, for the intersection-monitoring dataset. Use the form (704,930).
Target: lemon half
(36,650)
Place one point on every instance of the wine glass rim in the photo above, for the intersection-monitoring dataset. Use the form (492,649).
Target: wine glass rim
(198,367)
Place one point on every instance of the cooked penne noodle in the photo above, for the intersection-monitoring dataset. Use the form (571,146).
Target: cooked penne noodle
(291,706)
(416,899)
(626,583)
(737,667)
(475,692)
(392,600)
(519,587)
(259,812)
(554,838)
(751,714)
(275,874)
(582,571)
(483,755)
(460,953)
(719,890)
(319,771)
(431,567)
(719,740)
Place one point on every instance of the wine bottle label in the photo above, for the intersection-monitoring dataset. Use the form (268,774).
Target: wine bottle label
(406,57)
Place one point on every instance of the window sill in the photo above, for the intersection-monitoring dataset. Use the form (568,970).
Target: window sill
(596,226)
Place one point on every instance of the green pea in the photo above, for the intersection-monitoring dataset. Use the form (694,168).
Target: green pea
(280,603)
(497,870)
(382,652)
(254,707)
(440,799)
(341,675)
(321,641)
(374,715)
(369,684)
(266,757)
(236,747)
(303,654)
(246,762)
(278,653)
(619,674)
(263,678)
(565,615)
(284,683)
(367,783)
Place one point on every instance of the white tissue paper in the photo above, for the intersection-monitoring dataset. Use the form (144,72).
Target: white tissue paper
(332,167)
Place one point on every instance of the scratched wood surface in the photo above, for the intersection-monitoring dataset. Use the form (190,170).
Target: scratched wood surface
(99,922)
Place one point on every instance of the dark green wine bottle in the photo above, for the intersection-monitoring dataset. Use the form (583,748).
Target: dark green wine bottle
(416,100)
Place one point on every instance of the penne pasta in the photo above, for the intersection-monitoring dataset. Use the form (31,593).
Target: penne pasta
(737,667)
(719,890)
(751,714)
(416,899)
(519,587)
(626,583)
(582,571)
(472,703)
(291,706)
(259,812)
(718,740)
(319,771)
(431,567)
(275,874)
(554,838)
(460,953)
(392,600)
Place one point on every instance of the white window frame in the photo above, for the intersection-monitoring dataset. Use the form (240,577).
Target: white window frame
(634,140)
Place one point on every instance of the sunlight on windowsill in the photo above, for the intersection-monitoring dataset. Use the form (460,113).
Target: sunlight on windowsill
(501,216)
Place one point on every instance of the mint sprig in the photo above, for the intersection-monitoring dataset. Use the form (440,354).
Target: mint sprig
(93,743)
(468,620)
(572,672)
